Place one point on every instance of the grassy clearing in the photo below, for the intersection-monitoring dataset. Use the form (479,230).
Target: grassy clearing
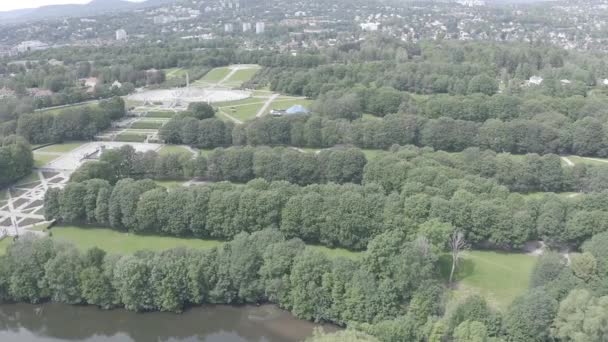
(170,149)
(62,148)
(594,161)
(541,195)
(172,73)
(42,159)
(333,253)
(131,137)
(147,125)
(369,117)
(372,154)
(76,106)
(170,184)
(32,177)
(245,112)
(286,103)
(216,75)
(206,151)
(228,104)
(4,243)
(113,241)
(161,114)
(241,76)
(499,277)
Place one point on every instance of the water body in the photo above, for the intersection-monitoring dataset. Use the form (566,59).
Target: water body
(59,322)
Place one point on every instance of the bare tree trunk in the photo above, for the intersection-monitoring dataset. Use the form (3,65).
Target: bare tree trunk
(453,269)
(457,245)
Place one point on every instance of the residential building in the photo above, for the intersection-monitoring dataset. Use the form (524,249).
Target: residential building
(260,27)
(121,35)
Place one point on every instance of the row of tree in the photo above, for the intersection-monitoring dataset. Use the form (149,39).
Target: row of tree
(256,268)
(235,164)
(80,123)
(334,215)
(16,159)
(525,174)
(393,292)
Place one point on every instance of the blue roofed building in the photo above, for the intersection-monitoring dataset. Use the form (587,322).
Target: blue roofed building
(294,110)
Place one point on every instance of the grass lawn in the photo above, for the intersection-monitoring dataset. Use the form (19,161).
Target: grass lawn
(160,114)
(59,110)
(168,149)
(594,161)
(42,159)
(228,104)
(372,154)
(540,195)
(131,137)
(62,148)
(216,75)
(141,124)
(206,151)
(369,117)
(113,241)
(286,103)
(246,112)
(170,184)
(32,177)
(175,73)
(4,243)
(499,277)
(241,76)
(336,252)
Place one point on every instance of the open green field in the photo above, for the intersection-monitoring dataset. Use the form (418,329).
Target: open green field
(541,195)
(131,137)
(336,252)
(170,149)
(32,177)
(143,124)
(241,76)
(288,102)
(228,104)
(160,114)
(244,112)
(372,154)
(62,148)
(216,75)
(170,184)
(4,243)
(42,159)
(76,106)
(113,241)
(175,73)
(499,277)
(588,161)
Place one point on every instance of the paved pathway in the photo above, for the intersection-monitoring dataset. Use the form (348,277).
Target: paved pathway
(24,206)
(262,110)
(568,161)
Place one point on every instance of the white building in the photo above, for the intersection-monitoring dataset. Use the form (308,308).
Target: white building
(228,28)
(260,27)
(369,27)
(31,45)
(536,80)
(246,27)
(121,35)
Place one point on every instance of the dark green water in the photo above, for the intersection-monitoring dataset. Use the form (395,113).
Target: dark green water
(58,322)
